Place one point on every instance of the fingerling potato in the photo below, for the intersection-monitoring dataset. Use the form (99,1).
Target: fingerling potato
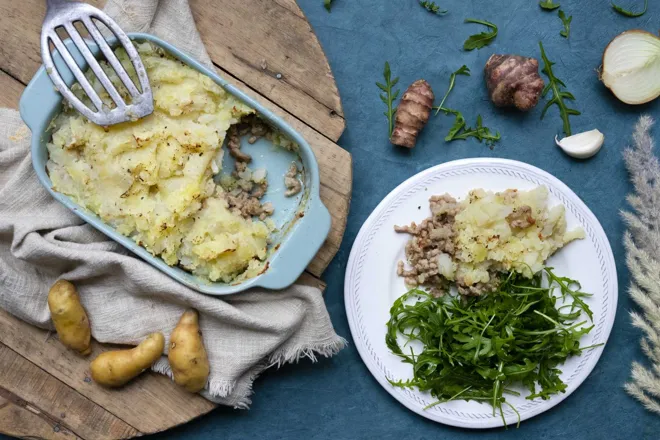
(187,355)
(69,317)
(115,368)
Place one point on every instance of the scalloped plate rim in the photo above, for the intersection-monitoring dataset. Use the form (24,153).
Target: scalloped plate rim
(471,166)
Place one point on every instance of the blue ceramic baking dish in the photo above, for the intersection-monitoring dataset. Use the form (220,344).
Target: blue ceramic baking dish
(303,222)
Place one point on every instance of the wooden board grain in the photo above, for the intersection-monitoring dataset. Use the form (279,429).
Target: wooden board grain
(241,36)
(20,419)
(52,400)
(45,390)
(10,91)
(293,79)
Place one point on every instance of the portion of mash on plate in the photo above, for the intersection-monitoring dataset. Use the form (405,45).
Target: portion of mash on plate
(152,180)
(470,242)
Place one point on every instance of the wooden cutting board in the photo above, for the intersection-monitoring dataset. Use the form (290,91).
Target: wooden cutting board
(45,390)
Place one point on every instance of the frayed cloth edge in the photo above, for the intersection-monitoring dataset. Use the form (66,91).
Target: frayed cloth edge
(217,390)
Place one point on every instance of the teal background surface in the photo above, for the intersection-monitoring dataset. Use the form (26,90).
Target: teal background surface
(337,398)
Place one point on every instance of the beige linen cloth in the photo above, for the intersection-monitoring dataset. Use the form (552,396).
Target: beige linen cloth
(126,299)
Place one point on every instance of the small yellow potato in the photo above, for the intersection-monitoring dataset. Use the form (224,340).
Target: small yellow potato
(69,317)
(187,355)
(115,368)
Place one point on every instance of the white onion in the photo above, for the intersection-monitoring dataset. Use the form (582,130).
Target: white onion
(245,175)
(218,159)
(446,266)
(631,67)
(259,175)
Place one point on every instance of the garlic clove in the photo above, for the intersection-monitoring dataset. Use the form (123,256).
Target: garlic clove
(582,145)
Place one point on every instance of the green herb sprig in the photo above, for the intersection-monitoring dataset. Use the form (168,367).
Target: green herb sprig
(548,5)
(559,96)
(566,21)
(327,4)
(459,130)
(388,96)
(629,13)
(463,70)
(483,39)
(432,7)
(476,348)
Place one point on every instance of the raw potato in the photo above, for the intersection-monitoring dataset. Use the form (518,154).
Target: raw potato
(187,355)
(513,81)
(69,317)
(115,368)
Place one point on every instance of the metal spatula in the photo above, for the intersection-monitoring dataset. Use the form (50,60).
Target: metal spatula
(64,13)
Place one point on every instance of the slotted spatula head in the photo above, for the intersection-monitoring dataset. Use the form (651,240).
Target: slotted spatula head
(64,14)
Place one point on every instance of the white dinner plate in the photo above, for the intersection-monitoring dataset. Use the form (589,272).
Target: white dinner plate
(371,284)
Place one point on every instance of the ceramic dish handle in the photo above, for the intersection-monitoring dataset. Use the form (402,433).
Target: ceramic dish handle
(302,245)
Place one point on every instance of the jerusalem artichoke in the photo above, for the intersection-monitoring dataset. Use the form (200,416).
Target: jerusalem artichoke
(412,114)
(513,80)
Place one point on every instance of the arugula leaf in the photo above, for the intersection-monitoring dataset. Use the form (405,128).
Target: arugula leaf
(565,284)
(558,95)
(629,13)
(432,7)
(475,348)
(481,40)
(389,96)
(327,4)
(463,70)
(566,21)
(480,132)
(459,130)
(548,5)
(459,124)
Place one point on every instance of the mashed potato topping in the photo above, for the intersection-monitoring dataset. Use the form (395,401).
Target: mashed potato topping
(470,242)
(152,179)
(511,230)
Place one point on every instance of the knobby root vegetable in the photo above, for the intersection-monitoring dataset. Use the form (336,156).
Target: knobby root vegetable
(631,67)
(513,81)
(187,355)
(412,114)
(115,368)
(69,317)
